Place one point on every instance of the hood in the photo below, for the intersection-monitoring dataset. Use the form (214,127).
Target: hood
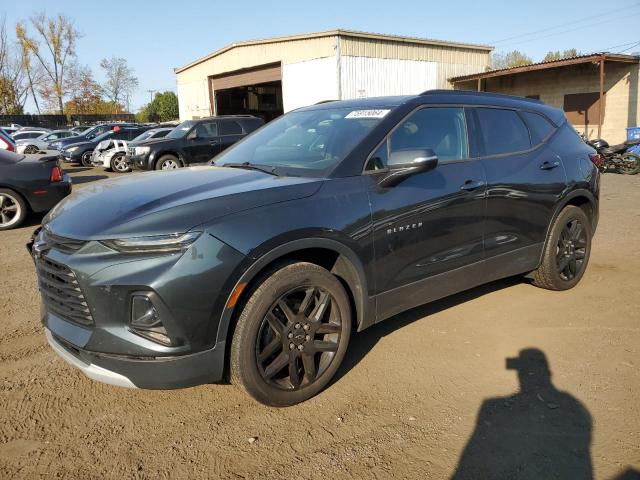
(156,203)
(81,143)
(154,141)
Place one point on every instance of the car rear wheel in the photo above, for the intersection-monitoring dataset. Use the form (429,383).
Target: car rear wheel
(30,149)
(86,159)
(566,252)
(168,162)
(13,209)
(291,335)
(119,163)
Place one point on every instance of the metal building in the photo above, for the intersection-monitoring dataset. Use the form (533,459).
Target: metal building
(271,76)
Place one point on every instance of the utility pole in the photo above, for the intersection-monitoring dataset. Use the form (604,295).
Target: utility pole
(151,92)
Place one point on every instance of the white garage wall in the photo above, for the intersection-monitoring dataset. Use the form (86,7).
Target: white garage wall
(306,83)
(193,99)
(372,77)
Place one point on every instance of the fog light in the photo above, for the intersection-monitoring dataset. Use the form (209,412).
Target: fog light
(145,320)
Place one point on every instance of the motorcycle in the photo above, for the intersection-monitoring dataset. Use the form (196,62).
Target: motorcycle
(621,158)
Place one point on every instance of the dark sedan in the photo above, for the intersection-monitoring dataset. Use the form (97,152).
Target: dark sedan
(29,184)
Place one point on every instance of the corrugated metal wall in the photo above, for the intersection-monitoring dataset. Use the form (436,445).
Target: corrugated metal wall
(372,77)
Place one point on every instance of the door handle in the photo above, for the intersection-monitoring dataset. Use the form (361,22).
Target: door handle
(549,165)
(471,185)
(213,142)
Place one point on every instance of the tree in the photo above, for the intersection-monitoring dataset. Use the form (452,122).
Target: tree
(163,107)
(121,81)
(510,59)
(13,88)
(85,93)
(557,55)
(59,37)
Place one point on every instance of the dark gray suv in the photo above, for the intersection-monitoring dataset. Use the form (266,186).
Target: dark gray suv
(325,221)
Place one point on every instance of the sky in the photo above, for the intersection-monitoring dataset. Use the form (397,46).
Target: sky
(157,36)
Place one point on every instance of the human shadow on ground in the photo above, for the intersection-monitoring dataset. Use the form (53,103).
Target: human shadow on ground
(538,432)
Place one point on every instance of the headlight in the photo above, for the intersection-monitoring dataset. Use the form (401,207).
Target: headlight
(71,149)
(142,150)
(174,242)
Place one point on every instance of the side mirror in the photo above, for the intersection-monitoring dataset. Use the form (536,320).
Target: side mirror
(404,163)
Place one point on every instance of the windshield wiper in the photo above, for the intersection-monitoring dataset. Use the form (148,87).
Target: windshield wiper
(251,166)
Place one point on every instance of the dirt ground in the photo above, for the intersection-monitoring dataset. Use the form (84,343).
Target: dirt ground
(425,394)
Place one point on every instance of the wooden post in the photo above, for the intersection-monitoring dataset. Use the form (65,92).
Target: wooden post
(600,107)
(479,84)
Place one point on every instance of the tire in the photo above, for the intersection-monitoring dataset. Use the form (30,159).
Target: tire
(631,164)
(85,160)
(168,162)
(31,149)
(566,252)
(118,163)
(262,361)
(13,209)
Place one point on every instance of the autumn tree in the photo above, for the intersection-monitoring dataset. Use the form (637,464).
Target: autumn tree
(163,108)
(558,55)
(13,88)
(52,44)
(120,80)
(510,59)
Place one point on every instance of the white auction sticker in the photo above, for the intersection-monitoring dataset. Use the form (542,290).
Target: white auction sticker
(367,114)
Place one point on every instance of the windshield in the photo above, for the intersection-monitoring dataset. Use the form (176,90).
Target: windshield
(181,130)
(309,142)
(103,136)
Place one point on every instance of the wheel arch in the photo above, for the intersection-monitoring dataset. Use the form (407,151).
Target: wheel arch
(581,198)
(336,257)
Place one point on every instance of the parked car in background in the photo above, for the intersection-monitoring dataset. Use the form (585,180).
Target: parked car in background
(81,152)
(87,135)
(29,184)
(9,130)
(192,142)
(6,142)
(80,128)
(325,221)
(41,143)
(28,134)
(112,154)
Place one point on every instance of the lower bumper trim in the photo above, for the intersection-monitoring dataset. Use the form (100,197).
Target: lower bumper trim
(90,370)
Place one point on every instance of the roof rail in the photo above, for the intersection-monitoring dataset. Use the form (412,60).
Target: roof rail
(475,93)
(324,101)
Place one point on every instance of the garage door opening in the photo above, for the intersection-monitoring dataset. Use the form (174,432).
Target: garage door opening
(262,100)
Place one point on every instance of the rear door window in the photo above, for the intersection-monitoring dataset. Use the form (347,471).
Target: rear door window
(502,131)
(539,127)
(230,127)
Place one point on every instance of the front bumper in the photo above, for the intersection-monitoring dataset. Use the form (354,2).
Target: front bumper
(148,373)
(189,290)
(139,162)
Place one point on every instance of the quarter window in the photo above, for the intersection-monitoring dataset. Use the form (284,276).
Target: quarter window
(539,127)
(442,130)
(502,131)
(230,127)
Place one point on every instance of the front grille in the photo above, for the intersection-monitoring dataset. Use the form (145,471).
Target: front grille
(61,292)
(62,244)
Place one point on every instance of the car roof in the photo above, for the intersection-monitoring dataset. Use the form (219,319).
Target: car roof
(460,97)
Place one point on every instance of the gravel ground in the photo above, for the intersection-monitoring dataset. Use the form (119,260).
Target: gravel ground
(425,394)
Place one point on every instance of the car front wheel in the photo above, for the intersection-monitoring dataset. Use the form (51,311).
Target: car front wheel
(291,335)
(86,159)
(168,162)
(119,163)
(566,252)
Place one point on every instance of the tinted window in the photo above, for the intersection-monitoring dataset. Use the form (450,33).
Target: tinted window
(503,131)
(206,130)
(442,130)
(230,127)
(539,127)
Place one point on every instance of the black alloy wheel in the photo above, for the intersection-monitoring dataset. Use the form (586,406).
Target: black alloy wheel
(291,335)
(566,251)
(571,250)
(298,338)
(86,159)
